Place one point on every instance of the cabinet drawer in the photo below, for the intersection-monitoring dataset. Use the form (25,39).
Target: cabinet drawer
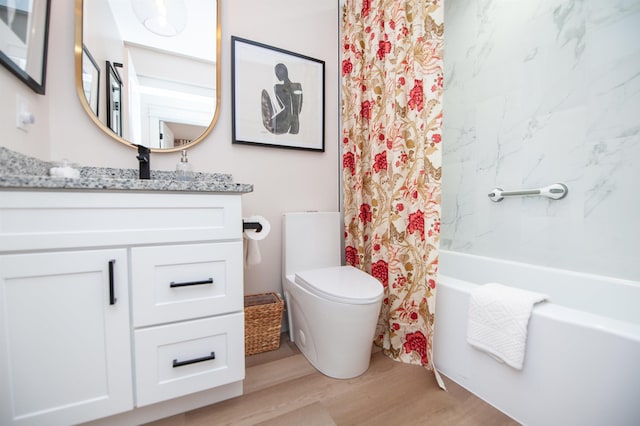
(84,219)
(178,359)
(174,283)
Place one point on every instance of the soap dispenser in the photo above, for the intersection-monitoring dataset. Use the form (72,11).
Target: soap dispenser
(184,171)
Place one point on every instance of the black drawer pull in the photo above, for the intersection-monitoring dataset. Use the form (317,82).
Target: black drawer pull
(174,284)
(112,292)
(177,363)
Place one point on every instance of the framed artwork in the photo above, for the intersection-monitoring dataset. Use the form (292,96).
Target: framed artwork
(24,35)
(114,98)
(277,97)
(91,80)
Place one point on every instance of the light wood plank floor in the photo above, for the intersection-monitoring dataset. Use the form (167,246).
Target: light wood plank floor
(282,388)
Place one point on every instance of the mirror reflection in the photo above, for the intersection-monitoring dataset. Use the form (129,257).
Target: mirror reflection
(147,71)
(114,98)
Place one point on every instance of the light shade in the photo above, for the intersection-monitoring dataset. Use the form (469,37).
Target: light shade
(162,17)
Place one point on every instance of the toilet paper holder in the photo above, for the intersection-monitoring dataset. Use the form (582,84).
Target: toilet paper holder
(252,225)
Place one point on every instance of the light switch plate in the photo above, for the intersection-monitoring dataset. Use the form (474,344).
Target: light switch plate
(23,116)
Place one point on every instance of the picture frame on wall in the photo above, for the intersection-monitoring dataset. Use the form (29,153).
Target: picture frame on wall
(24,36)
(91,80)
(278,97)
(114,98)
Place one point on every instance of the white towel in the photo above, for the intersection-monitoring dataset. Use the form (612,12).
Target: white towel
(498,319)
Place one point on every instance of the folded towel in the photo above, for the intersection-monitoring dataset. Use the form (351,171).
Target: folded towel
(498,318)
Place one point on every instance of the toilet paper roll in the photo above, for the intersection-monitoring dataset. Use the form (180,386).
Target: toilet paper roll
(252,251)
(253,234)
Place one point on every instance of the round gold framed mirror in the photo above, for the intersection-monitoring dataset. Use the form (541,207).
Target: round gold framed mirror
(148,71)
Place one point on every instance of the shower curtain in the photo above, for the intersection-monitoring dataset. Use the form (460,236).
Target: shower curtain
(392,82)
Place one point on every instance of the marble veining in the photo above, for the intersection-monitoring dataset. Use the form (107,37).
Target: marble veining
(22,171)
(538,93)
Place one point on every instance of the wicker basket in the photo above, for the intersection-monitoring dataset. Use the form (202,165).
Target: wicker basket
(262,322)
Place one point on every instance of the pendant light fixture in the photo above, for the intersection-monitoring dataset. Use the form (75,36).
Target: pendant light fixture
(162,17)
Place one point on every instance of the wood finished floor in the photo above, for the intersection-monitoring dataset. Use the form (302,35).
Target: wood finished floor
(282,388)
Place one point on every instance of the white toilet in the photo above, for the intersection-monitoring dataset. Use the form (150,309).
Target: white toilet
(333,309)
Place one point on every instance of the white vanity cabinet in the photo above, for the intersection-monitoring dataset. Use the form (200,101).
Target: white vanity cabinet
(118,306)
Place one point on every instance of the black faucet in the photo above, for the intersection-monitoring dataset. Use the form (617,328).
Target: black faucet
(144,158)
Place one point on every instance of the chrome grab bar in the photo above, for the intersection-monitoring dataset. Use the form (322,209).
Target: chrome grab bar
(555,192)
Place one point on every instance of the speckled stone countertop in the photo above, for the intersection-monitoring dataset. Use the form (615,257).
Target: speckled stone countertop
(18,171)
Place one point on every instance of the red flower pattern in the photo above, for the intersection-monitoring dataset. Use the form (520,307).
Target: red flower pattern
(349,162)
(351,255)
(366,8)
(380,161)
(416,94)
(380,270)
(384,47)
(365,213)
(390,129)
(416,223)
(417,342)
(347,67)
(365,110)
(400,281)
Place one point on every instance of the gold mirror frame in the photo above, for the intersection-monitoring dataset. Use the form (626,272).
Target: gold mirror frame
(85,104)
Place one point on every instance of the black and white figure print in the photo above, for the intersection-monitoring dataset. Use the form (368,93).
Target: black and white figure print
(282,114)
(277,97)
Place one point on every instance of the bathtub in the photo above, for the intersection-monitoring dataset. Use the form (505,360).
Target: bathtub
(582,361)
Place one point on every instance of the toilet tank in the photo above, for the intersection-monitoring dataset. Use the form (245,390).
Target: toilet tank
(310,240)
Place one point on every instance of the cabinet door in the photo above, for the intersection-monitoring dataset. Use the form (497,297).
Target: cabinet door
(65,355)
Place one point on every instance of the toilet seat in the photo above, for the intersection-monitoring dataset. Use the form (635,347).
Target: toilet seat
(343,284)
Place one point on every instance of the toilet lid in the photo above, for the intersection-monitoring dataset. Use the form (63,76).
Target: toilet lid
(344,284)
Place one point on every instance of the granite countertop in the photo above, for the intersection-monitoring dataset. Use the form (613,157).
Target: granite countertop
(18,171)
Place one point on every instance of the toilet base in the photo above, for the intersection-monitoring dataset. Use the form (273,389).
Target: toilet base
(336,338)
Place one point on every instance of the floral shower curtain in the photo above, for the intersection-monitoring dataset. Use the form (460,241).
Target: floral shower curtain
(392,81)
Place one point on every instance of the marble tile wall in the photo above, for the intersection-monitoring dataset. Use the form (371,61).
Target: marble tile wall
(538,92)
